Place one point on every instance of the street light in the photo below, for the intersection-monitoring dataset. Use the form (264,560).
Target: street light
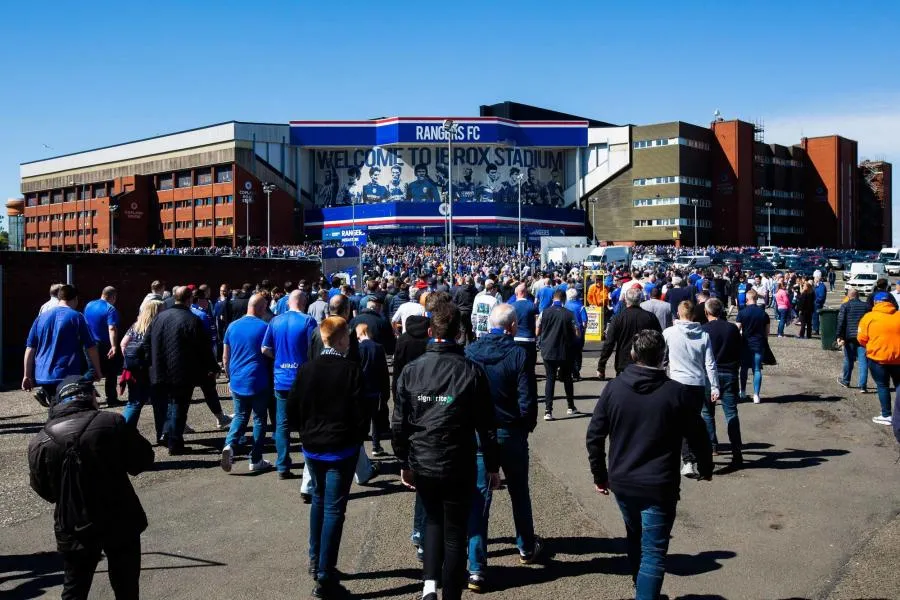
(113,208)
(247,199)
(695,202)
(769,209)
(450,127)
(268,188)
(73,184)
(519,179)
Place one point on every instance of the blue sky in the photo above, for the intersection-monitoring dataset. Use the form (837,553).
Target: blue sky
(80,75)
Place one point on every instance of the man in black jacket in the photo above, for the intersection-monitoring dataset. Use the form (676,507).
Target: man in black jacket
(515,411)
(463,297)
(380,329)
(557,333)
(725,339)
(97,509)
(177,347)
(621,331)
(645,415)
(443,400)
(849,315)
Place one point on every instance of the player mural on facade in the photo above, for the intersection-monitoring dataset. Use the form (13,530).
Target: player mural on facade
(479,174)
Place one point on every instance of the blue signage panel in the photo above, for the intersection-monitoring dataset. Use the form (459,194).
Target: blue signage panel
(340,252)
(429,130)
(346,235)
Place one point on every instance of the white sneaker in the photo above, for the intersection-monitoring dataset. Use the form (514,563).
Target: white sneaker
(572,411)
(223,422)
(756,399)
(548,416)
(689,470)
(227,459)
(882,420)
(262,465)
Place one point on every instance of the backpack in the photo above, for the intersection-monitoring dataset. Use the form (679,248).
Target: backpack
(72,506)
(134,355)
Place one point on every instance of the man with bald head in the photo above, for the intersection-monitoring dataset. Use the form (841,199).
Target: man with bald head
(526,316)
(287,341)
(251,385)
(178,348)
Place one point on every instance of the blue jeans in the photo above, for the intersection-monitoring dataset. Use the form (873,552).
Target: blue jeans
(331,490)
(728,397)
(886,379)
(783,315)
(647,526)
(513,446)
(282,432)
(815,318)
(418,532)
(139,393)
(179,401)
(243,405)
(853,352)
(752,359)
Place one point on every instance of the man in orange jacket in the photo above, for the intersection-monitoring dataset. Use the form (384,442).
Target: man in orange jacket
(597,294)
(879,332)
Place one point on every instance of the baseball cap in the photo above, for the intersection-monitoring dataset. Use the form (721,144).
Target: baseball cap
(882,297)
(72,387)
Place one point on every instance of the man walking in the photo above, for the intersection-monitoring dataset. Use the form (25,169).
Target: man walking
(691,363)
(849,316)
(645,415)
(576,307)
(725,339)
(80,462)
(464,299)
(754,324)
(515,411)
(179,357)
(287,342)
(661,310)
(248,371)
(443,401)
(621,331)
(558,333)
(103,320)
(484,302)
(821,293)
(56,345)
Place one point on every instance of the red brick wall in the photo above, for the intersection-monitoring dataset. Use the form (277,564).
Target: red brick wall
(732,179)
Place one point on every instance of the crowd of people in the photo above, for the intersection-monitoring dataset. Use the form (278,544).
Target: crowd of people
(443,366)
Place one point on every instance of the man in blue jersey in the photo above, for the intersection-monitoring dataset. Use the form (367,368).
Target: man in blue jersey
(553,191)
(544,295)
(56,345)
(373,192)
(351,192)
(335,287)
(509,192)
(103,321)
(287,343)
(531,188)
(489,191)
(465,188)
(248,374)
(526,325)
(576,306)
(281,306)
(422,189)
(396,189)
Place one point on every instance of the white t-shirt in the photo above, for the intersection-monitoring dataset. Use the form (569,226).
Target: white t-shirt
(481,312)
(405,310)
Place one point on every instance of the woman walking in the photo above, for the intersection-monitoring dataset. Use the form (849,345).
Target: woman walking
(136,374)
(805,306)
(783,306)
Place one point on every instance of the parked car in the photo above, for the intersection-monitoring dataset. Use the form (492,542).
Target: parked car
(864,283)
(892,267)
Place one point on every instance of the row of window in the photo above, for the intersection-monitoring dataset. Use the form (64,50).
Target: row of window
(204,176)
(60,216)
(670,142)
(198,202)
(199,223)
(671,222)
(767,193)
(762,159)
(698,181)
(67,195)
(780,229)
(46,235)
(780,212)
(641,202)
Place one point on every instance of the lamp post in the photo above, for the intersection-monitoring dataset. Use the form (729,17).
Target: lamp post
(519,179)
(769,210)
(268,188)
(113,208)
(73,184)
(695,202)
(450,127)
(247,241)
(593,202)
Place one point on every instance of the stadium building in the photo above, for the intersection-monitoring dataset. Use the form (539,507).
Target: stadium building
(513,168)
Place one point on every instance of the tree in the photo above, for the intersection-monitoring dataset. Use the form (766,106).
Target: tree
(4,240)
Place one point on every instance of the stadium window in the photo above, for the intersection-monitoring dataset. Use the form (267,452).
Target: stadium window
(204,176)
(100,191)
(166,182)
(223,174)
(183,179)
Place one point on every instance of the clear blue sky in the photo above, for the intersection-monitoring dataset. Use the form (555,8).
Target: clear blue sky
(80,75)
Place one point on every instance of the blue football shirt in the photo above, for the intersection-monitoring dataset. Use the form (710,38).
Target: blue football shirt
(288,337)
(100,316)
(247,368)
(59,337)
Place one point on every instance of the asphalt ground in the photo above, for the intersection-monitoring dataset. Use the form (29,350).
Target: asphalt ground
(813,515)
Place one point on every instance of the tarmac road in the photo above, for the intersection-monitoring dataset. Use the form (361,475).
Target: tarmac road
(814,514)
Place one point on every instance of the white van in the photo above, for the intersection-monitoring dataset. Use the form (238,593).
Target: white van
(877,268)
(684,263)
(887,254)
(608,256)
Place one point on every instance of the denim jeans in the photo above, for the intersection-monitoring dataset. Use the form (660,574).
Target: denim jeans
(647,525)
(783,315)
(243,405)
(418,531)
(282,432)
(754,360)
(886,379)
(179,402)
(513,446)
(853,353)
(728,397)
(331,490)
(139,393)
(815,319)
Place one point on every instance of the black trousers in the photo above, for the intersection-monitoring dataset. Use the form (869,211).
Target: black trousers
(697,395)
(466,325)
(211,394)
(562,370)
(123,558)
(447,503)
(530,364)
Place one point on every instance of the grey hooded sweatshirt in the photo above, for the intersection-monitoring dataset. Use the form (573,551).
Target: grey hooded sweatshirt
(690,355)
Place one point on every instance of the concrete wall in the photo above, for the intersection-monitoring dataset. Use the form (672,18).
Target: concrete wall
(26,277)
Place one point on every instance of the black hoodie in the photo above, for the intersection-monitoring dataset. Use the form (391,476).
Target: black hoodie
(645,415)
(410,346)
